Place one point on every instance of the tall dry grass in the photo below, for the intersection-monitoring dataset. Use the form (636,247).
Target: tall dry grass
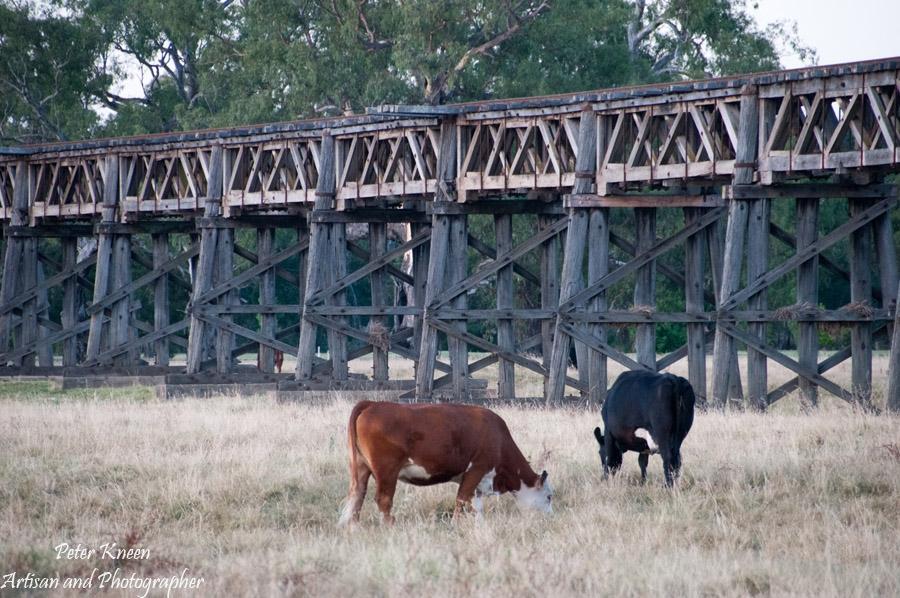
(246,492)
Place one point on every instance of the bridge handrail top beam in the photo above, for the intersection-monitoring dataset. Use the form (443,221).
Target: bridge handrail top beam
(398,115)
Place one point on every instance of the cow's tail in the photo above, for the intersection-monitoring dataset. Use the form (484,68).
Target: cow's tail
(347,509)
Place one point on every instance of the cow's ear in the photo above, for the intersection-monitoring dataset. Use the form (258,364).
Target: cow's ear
(543,478)
(598,434)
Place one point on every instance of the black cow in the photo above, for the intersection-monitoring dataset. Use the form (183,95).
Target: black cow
(647,413)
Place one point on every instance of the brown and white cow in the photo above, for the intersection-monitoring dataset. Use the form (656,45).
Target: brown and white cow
(423,444)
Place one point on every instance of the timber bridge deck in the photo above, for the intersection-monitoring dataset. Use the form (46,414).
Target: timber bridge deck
(123,253)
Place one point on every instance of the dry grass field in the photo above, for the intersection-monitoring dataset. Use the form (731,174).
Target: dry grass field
(245,492)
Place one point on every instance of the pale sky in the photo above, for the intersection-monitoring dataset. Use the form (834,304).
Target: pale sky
(839,30)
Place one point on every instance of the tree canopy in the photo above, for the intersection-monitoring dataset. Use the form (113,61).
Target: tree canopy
(84,68)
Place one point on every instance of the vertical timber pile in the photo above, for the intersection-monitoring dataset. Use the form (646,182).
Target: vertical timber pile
(757,265)
(224,269)
(598,267)
(104,255)
(319,254)
(13,256)
(161,297)
(506,383)
(549,293)
(573,256)
(206,261)
(378,324)
(265,246)
(445,191)
(808,293)
(693,304)
(458,266)
(336,270)
(121,309)
(861,296)
(645,287)
(893,389)
(69,313)
(745,160)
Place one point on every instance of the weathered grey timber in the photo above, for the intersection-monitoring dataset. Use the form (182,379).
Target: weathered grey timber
(757,265)
(205,271)
(893,390)
(861,296)
(808,294)
(506,381)
(693,303)
(104,253)
(437,264)
(161,306)
(384,199)
(317,262)
(573,256)
(645,286)
(734,240)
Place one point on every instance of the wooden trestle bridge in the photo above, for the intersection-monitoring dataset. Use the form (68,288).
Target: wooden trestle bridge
(96,230)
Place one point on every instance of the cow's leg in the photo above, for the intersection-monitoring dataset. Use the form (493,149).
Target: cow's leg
(384,495)
(358,486)
(467,487)
(667,453)
(643,459)
(676,461)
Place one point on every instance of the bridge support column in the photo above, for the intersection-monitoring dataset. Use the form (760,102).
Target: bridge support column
(745,162)
(418,290)
(693,303)
(320,254)
(571,279)
(438,256)
(893,386)
(206,262)
(120,327)
(598,267)
(549,293)
(71,300)
(457,268)
(808,293)
(12,257)
(506,383)
(224,272)
(861,297)
(378,324)
(757,266)
(102,273)
(161,313)
(337,269)
(265,245)
(645,287)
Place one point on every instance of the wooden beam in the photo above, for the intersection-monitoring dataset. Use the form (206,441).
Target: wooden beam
(808,293)
(506,381)
(571,277)
(378,324)
(645,285)
(694,302)
(861,294)
(757,265)
(161,306)
(319,255)
(203,279)
(437,263)
(104,253)
(746,154)
(265,247)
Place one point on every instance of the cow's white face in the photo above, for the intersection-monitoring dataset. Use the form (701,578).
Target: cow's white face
(538,497)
